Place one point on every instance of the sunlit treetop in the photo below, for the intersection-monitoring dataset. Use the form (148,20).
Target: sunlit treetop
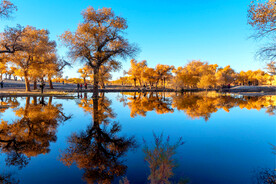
(98,38)
(262,16)
(6,8)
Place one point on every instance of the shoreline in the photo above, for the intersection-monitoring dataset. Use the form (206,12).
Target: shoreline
(67,92)
(17,88)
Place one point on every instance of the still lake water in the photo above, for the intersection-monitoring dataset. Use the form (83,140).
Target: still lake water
(118,138)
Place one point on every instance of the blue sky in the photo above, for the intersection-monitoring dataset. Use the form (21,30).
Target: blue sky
(170,32)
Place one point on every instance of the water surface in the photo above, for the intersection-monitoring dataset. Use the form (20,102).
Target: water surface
(138,138)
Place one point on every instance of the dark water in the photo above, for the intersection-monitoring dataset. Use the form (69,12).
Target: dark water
(138,138)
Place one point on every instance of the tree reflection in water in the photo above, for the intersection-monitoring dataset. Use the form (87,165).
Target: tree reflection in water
(141,103)
(193,105)
(267,175)
(8,102)
(196,106)
(160,159)
(7,178)
(99,149)
(32,133)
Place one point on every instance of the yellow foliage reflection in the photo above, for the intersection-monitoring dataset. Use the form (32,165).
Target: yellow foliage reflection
(8,102)
(98,149)
(32,133)
(195,105)
(140,104)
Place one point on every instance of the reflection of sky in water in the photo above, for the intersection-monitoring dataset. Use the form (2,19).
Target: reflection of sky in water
(228,148)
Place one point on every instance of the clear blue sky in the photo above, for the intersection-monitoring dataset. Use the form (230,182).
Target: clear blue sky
(167,31)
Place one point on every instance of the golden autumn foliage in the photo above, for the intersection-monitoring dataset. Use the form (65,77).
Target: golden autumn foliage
(136,71)
(261,16)
(3,69)
(85,72)
(37,51)
(11,40)
(6,8)
(195,74)
(105,72)
(271,67)
(98,40)
(141,73)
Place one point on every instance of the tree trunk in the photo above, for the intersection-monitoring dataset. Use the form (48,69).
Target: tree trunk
(27,83)
(1,76)
(27,106)
(50,101)
(35,100)
(35,84)
(140,82)
(96,109)
(96,82)
(103,85)
(50,83)
(134,83)
(84,81)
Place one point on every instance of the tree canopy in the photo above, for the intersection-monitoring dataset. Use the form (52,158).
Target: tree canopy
(98,39)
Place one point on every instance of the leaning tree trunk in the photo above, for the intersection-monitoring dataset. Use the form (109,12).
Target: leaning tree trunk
(96,82)
(50,83)
(27,83)
(35,84)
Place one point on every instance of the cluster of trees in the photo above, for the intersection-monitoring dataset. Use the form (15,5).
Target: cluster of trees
(97,41)
(195,74)
(29,51)
(36,60)
(141,73)
(104,72)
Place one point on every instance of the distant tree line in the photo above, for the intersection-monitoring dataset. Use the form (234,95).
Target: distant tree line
(195,74)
